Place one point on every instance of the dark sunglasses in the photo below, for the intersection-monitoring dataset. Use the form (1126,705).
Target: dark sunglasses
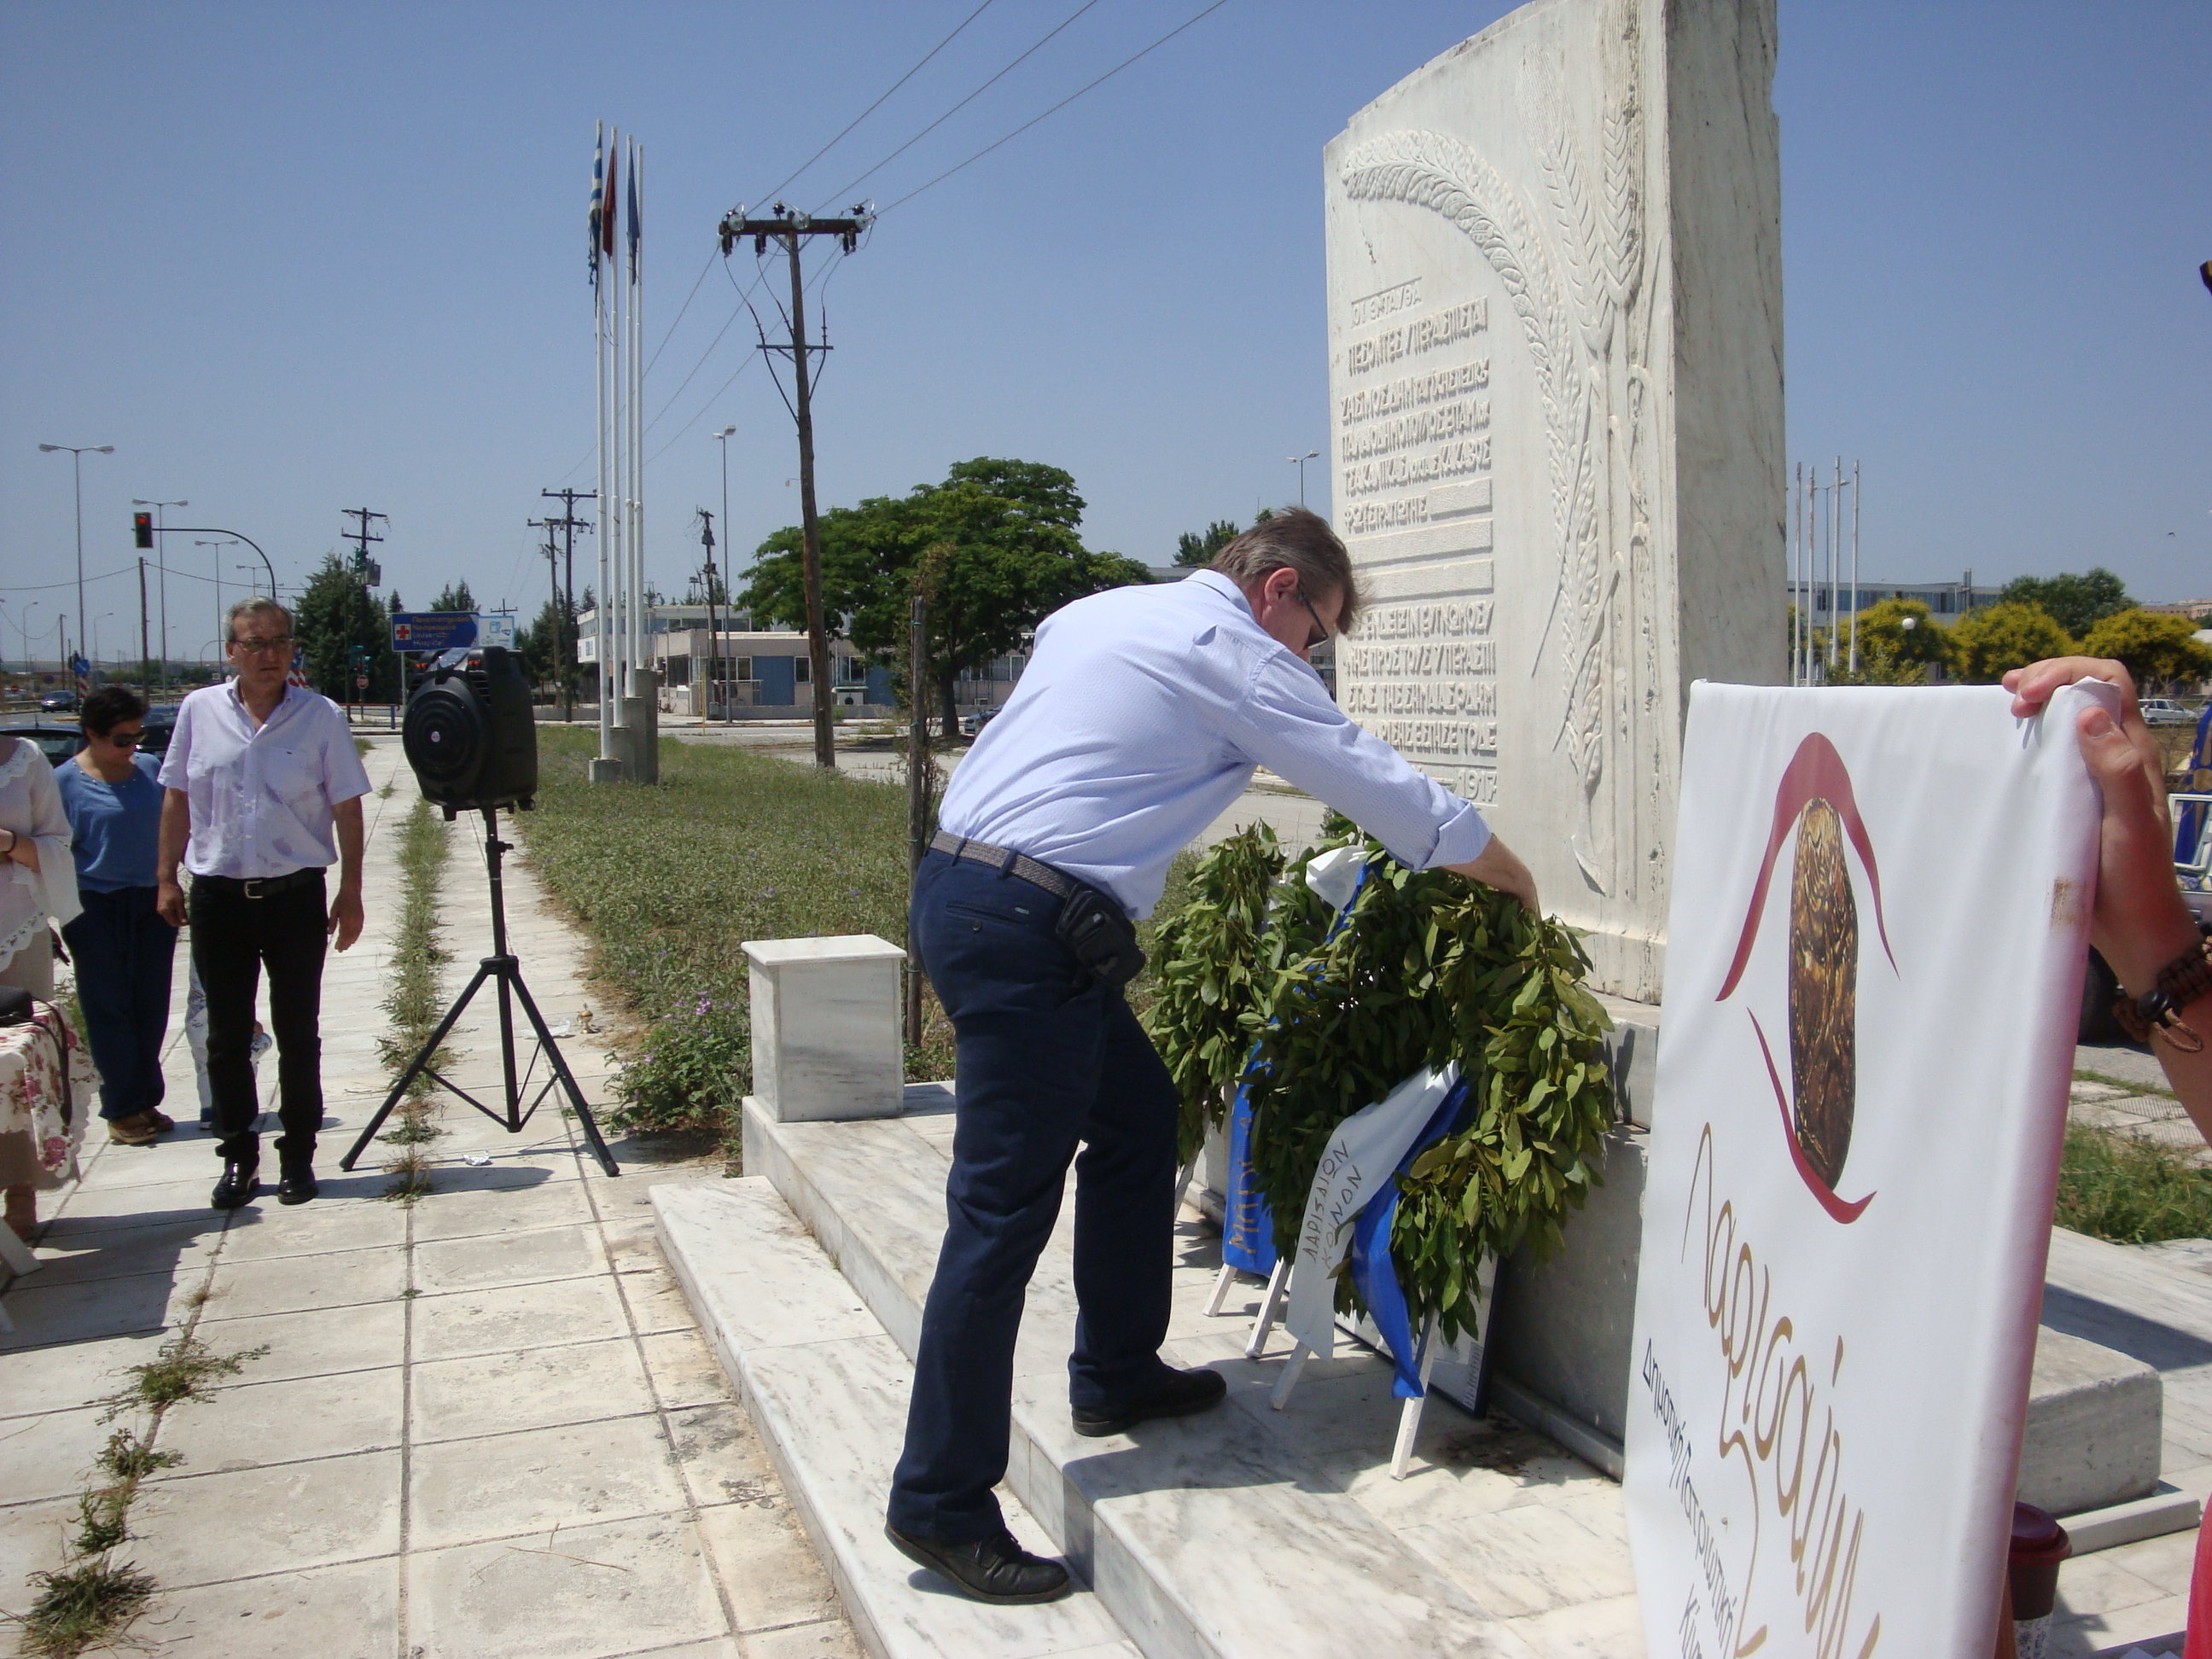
(1319,633)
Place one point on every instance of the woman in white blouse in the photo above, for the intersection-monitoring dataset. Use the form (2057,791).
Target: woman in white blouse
(38,884)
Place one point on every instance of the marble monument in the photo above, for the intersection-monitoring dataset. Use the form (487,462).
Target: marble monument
(1555,376)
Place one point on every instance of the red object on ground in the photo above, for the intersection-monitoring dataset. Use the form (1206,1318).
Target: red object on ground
(2199,1643)
(2040,1545)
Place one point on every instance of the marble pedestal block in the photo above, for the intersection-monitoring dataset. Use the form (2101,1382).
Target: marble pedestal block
(826,1027)
(1555,379)
(637,727)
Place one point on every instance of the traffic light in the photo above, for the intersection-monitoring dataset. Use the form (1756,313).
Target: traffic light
(141,529)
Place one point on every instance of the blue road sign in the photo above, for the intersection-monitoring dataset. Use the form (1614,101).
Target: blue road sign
(432,630)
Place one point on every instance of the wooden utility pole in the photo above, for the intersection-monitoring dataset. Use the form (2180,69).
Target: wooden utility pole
(714,648)
(569,524)
(790,229)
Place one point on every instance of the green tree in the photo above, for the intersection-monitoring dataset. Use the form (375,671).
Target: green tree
(455,596)
(340,626)
(2156,647)
(548,646)
(1990,642)
(1001,537)
(1899,639)
(2075,603)
(1193,549)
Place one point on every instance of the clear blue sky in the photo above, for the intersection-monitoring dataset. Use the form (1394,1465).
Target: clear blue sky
(291,258)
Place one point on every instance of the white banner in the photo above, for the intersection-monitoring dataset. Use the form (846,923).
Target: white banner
(1873,967)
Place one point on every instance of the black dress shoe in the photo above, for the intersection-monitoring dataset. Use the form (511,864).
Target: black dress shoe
(1174,1394)
(297,1184)
(239,1182)
(996,1569)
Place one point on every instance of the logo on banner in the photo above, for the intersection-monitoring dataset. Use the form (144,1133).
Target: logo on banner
(1815,799)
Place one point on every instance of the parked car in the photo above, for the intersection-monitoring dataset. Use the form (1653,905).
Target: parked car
(972,725)
(59,702)
(2165,711)
(160,725)
(57,742)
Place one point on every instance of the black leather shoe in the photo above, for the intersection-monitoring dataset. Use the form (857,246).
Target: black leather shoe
(239,1182)
(298,1184)
(1176,1394)
(996,1569)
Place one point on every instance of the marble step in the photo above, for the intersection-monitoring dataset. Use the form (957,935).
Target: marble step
(1245,1530)
(828,1390)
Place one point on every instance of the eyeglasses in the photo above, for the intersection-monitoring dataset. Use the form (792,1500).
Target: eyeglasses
(1320,632)
(125,739)
(251,647)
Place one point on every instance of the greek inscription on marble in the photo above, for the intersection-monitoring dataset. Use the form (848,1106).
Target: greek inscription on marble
(1373,307)
(1415,391)
(1452,460)
(1425,426)
(1393,345)
(1370,516)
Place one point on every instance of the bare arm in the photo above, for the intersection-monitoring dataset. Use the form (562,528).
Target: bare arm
(2140,922)
(176,830)
(346,914)
(1498,866)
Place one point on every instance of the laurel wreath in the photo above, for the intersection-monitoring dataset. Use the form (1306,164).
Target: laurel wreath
(1425,967)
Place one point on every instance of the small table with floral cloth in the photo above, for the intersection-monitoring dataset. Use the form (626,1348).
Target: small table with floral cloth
(41,1099)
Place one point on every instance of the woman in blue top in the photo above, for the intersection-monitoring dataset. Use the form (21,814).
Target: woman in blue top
(124,949)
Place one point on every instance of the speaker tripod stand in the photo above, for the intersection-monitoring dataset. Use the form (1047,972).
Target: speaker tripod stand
(504,970)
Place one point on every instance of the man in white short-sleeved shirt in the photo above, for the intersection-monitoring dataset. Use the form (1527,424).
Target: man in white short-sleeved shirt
(264,793)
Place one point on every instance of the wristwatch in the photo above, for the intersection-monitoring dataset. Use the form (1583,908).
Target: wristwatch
(2180,982)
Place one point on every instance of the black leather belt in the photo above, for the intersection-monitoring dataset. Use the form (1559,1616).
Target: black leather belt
(1002,858)
(255,887)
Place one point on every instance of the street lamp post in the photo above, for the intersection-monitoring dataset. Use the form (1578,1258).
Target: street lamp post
(1299,462)
(221,626)
(160,555)
(713,643)
(23,627)
(76,465)
(93,661)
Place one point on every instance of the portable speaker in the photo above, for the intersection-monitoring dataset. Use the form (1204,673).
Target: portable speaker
(470,734)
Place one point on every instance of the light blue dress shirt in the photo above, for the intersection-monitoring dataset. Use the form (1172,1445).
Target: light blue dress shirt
(1139,720)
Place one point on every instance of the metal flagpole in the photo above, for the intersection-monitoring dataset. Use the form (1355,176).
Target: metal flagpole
(1835,573)
(1796,554)
(616,366)
(1855,567)
(601,634)
(642,622)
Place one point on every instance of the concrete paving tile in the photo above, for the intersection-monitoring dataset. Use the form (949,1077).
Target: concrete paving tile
(656,1302)
(2097,1584)
(52,1456)
(536,1388)
(294,1283)
(200,1530)
(1532,1558)
(114,1253)
(42,1380)
(720,1647)
(480,1261)
(472,1203)
(2141,1623)
(550,1314)
(504,1486)
(768,1570)
(33,1538)
(721,1457)
(2164,1563)
(45,1315)
(185,1154)
(346,1611)
(633,1245)
(327,1341)
(245,1427)
(583,1592)
(89,1210)
(823,1641)
(317,1228)
(684,1370)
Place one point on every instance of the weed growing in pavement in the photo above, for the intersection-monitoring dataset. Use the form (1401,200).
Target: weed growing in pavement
(413,1001)
(127,1457)
(180,1369)
(83,1607)
(2131,1190)
(670,881)
(100,1516)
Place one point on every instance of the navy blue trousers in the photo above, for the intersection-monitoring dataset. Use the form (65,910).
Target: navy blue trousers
(1047,1058)
(124,953)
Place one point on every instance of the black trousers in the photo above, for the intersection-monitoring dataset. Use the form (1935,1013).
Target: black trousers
(1049,1060)
(233,937)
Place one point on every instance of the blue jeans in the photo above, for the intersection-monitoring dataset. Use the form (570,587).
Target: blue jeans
(1046,1057)
(124,953)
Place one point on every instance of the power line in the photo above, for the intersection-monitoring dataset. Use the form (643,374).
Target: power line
(776,188)
(678,317)
(843,191)
(1061,105)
